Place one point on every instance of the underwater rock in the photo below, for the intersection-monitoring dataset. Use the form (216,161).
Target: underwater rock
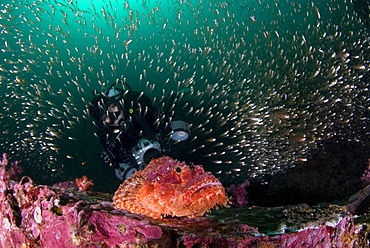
(66,185)
(335,171)
(359,201)
(365,178)
(42,216)
(113,229)
(344,234)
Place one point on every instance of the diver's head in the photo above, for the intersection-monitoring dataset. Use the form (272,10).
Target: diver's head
(105,107)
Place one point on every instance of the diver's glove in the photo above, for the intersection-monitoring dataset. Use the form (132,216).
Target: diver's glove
(180,130)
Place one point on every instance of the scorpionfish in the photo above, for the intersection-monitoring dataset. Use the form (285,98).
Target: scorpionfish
(167,187)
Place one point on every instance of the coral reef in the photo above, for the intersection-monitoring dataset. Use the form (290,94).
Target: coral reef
(43,216)
(84,183)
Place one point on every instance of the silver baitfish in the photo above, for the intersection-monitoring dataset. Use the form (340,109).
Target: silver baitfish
(266,82)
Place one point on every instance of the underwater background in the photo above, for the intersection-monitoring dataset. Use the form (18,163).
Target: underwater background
(263,83)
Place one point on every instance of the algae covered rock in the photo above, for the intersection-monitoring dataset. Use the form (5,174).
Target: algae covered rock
(42,216)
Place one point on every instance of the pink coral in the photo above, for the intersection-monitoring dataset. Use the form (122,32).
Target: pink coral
(120,229)
(9,171)
(239,194)
(37,216)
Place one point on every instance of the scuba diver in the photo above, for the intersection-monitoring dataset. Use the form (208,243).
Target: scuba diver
(131,131)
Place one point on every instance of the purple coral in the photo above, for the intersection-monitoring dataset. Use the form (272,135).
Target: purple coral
(239,194)
(13,169)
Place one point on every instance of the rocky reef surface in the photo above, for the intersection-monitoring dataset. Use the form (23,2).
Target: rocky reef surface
(56,216)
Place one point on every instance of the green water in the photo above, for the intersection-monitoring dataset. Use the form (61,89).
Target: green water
(283,76)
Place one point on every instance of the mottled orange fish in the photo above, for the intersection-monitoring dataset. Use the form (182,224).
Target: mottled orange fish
(167,187)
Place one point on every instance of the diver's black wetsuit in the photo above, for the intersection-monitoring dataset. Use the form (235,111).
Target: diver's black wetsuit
(138,120)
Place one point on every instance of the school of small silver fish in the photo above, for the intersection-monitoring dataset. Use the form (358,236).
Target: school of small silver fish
(262,82)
